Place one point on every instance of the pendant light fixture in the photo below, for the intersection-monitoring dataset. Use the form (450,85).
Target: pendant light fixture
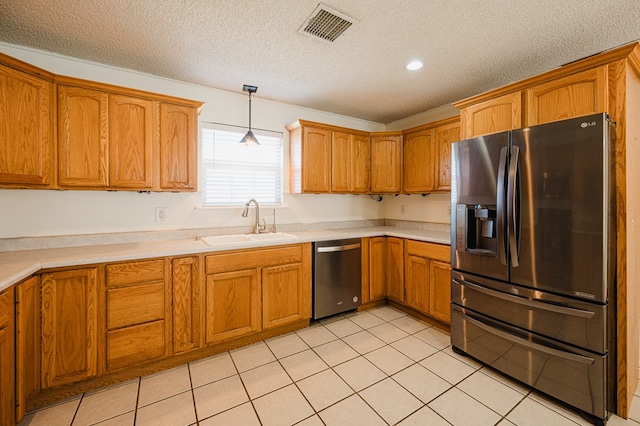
(249,139)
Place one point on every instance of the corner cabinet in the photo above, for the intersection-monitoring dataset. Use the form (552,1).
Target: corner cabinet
(26,134)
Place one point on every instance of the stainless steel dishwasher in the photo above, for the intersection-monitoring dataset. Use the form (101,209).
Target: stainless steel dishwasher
(336,276)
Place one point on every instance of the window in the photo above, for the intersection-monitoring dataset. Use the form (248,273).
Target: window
(234,173)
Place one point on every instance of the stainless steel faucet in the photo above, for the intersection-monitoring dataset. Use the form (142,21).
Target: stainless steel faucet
(257,227)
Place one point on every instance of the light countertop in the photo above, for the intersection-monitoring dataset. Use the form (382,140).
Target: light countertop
(17,265)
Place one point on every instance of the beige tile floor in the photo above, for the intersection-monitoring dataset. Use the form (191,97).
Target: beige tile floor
(376,367)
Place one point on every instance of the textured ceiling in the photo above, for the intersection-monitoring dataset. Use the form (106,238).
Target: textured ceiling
(468,46)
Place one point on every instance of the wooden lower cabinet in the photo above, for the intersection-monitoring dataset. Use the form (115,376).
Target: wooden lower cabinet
(377,266)
(394,267)
(28,376)
(440,290)
(428,278)
(69,326)
(252,290)
(284,296)
(138,312)
(187,303)
(232,305)
(7,358)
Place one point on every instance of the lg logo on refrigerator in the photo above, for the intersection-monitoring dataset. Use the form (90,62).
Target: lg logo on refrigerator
(586,124)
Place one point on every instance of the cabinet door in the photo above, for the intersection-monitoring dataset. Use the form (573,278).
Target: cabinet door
(283,295)
(178,145)
(26,130)
(69,326)
(130,142)
(417,282)
(360,164)
(440,291)
(445,136)
(395,269)
(28,344)
(418,162)
(7,358)
(494,115)
(377,268)
(316,160)
(341,152)
(232,305)
(83,158)
(386,163)
(187,304)
(567,97)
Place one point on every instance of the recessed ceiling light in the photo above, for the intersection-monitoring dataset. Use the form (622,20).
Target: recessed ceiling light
(414,65)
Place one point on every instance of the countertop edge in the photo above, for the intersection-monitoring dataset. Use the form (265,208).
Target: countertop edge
(18,265)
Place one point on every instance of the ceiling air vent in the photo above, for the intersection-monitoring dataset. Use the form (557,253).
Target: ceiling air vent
(326,24)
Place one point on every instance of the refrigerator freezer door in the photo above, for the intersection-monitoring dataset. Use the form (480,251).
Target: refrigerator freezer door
(477,200)
(563,222)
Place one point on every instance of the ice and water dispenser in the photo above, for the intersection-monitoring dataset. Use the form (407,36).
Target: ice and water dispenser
(476,228)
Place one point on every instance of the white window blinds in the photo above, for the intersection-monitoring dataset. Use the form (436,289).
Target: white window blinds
(235,173)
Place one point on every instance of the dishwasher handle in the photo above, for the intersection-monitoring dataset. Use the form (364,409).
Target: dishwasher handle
(337,248)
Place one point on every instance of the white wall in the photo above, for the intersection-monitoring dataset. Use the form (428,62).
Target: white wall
(45,212)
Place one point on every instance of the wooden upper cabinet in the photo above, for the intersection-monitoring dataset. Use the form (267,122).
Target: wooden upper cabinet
(386,163)
(316,160)
(309,158)
(178,143)
(571,96)
(491,116)
(350,161)
(418,162)
(83,158)
(69,326)
(130,142)
(445,135)
(26,129)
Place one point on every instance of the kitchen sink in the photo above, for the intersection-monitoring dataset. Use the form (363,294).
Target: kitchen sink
(218,240)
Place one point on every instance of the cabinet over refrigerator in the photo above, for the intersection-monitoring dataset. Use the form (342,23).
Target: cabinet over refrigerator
(533,217)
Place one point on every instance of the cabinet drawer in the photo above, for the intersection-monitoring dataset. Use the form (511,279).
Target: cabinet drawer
(136,344)
(246,259)
(432,251)
(134,305)
(5,307)
(135,272)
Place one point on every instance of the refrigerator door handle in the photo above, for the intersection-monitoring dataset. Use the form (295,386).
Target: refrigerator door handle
(512,206)
(537,304)
(529,344)
(502,167)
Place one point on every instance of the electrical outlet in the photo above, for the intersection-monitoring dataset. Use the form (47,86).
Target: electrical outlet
(161,214)
(401,208)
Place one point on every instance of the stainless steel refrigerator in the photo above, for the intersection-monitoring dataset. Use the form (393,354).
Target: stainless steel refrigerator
(533,258)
